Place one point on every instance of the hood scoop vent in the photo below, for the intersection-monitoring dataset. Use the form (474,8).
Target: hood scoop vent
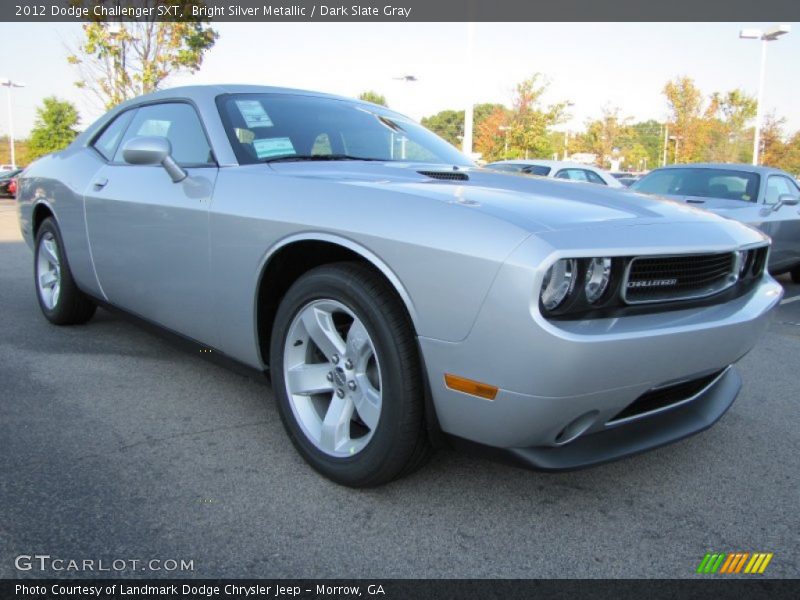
(445,175)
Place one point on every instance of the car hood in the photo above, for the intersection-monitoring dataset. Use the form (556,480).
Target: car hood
(533,203)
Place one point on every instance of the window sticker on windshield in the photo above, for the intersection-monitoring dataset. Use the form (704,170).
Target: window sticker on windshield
(253,113)
(267,147)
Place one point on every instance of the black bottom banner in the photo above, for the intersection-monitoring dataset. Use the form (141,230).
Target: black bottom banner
(398,589)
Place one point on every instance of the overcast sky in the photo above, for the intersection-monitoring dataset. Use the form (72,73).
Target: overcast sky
(590,64)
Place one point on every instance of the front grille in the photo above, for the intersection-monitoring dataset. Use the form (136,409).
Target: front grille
(665,396)
(667,278)
(447,175)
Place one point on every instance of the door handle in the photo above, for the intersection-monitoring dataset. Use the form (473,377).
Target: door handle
(99,184)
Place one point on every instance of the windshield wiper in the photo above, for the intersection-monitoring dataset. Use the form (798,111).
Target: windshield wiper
(317,157)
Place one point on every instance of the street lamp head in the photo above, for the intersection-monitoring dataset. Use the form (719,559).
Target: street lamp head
(750,34)
(770,35)
(775,32)
(9,84)
(406,78)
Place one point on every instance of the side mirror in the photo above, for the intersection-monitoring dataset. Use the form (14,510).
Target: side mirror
(788,200)
(153,151)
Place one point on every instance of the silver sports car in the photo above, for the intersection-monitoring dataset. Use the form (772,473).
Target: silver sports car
(762,197)
(397,295)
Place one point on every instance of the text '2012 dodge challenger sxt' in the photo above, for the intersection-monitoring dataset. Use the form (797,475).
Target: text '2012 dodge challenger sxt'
(392,289)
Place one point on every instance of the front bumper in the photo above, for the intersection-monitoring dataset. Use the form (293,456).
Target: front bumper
(626,440)
(552,374)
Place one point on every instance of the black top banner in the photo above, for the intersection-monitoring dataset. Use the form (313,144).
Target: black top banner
(400,10)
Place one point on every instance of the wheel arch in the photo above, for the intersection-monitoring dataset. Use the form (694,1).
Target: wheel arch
(293,256)
(40,212)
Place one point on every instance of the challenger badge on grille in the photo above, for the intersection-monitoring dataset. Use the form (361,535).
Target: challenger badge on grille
(651,283)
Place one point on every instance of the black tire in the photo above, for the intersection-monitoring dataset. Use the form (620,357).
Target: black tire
(399,443)
(72,306)
(796,275)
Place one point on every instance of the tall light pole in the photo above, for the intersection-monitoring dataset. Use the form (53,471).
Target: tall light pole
(677,139)
(505,129)
(469,109)
(11,84)
(770,35)
(403,139)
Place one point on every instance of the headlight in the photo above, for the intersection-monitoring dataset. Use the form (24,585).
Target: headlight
(558,283)
(743,256)
(598,274)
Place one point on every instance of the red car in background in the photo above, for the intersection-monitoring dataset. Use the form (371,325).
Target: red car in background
(8,183)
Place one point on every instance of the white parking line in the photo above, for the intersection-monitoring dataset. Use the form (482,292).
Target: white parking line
(790,300)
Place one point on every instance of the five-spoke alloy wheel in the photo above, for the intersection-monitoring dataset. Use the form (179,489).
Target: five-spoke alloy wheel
(332,378)
(347,376)
(48,270)
(59,298)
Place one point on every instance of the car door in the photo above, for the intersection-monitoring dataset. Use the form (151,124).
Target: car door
(781,222)
(148,234)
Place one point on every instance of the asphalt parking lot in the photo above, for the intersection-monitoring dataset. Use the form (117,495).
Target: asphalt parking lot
(115,443)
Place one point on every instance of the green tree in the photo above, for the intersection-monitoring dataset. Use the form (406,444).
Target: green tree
(54,129)
(120,60)
(688,125)
(609,135)
(530,120)
(729,114)
(374,97)
(773,144)
(790,158)
(650,136)
(449,124)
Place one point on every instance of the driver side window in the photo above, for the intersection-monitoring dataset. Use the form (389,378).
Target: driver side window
(179,123)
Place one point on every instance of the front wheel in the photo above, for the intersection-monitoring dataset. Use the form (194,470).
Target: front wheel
(59,298)
(347,376)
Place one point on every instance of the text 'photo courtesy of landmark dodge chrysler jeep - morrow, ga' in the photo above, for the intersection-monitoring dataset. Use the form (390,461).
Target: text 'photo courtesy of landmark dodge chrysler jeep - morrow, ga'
(394,291)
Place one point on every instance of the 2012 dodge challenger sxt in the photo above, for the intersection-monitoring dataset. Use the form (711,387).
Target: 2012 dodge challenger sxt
(391,288)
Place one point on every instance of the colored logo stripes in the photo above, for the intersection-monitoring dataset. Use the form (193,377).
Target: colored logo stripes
(734,562)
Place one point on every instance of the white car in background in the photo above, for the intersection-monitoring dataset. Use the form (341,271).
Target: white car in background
(560,169)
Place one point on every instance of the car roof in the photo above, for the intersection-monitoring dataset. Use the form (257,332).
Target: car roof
(726,167)
(211,91)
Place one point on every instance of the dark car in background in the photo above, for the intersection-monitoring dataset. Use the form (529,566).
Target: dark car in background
(8,183)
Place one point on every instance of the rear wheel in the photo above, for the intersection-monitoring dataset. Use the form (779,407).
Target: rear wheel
(347,376)
(59,298)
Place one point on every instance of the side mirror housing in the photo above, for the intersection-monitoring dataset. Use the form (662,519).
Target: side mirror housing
(788,200)
(153,150)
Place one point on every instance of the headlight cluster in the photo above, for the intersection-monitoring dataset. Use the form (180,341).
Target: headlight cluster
(598,287)
(586,281)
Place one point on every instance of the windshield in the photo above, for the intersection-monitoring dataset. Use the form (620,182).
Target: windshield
(705,183)
(270,127)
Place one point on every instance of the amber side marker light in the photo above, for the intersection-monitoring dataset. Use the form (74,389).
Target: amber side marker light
(468,386)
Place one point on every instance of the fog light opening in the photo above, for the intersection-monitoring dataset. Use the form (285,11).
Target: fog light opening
(576,428)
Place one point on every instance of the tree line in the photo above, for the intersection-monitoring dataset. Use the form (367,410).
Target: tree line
(717,127)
